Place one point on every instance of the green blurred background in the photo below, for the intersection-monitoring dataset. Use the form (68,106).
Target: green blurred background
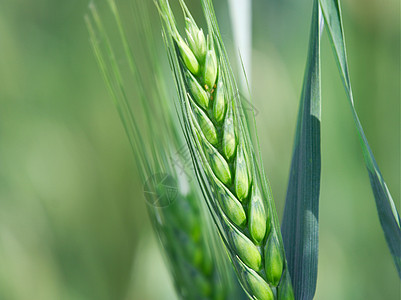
(73,222)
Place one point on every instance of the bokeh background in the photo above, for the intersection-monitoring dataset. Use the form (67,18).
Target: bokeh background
(73,222)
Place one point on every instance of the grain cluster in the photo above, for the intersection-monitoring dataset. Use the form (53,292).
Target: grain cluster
(220,142)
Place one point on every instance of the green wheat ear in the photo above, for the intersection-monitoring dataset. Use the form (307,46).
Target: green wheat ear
(197,260)
(229,173)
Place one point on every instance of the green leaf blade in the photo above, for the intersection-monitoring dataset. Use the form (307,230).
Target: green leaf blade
(388,215)
(300,225)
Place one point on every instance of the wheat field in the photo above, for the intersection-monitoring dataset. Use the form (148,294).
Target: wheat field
(73,218)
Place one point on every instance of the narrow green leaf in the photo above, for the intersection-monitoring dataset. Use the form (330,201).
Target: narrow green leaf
(301,214)
(388,215)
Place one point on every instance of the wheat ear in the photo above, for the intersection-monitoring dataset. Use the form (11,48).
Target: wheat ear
(196,260)
(223,156)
